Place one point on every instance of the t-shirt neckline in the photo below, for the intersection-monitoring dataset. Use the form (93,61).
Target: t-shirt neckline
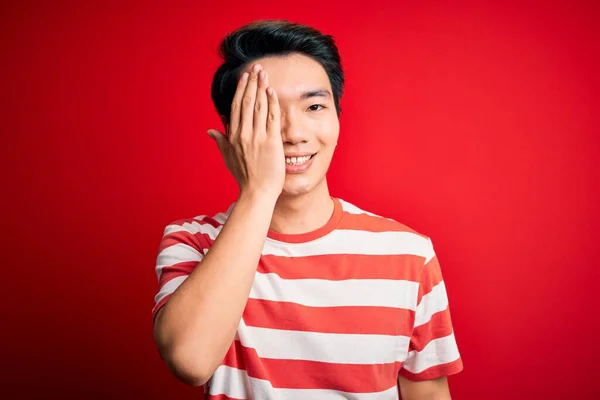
(329,227)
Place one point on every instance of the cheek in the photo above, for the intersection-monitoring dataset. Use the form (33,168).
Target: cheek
(327,131)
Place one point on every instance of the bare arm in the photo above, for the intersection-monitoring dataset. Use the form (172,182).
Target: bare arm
(432,389)
(197,325)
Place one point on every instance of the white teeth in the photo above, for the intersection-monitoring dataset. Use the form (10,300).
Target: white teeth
(296,160)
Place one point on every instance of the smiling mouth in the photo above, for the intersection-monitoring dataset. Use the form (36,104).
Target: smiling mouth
(298,160)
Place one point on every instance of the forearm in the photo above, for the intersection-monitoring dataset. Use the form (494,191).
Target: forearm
(429,396)
(432,389)
(197,325)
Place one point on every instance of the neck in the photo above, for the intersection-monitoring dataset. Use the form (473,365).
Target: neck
(303,213)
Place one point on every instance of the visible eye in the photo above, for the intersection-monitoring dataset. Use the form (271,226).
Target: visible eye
(312,108)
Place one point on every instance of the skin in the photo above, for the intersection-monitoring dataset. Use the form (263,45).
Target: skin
(309,124)
(433,389)
(283,106)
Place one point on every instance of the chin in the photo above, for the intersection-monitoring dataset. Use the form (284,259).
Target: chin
(297,187)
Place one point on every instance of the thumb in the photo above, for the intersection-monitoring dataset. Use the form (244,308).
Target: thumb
(213,134)
(218,137)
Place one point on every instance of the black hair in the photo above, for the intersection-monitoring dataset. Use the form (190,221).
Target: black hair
(264,38)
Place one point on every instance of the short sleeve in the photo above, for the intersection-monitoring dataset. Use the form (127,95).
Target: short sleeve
(182,247)
(433,351)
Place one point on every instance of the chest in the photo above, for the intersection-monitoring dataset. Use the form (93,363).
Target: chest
(331,294)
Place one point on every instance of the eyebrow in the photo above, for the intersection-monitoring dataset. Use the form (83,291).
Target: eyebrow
(315,93)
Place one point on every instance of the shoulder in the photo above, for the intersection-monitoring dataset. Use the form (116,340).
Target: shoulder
(204,228)
(385,229)
(363,219)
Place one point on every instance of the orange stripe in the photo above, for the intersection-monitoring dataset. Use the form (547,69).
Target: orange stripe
(184,237)
(439,326)
(365,222)
(203,220)
(198,241)
(173,271)
(344,266)
(349,320)
(221,397)
(431,276)
(158,306)
(300,374)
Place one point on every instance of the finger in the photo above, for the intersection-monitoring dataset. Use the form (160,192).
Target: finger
(236,106)
(274,114)
(246,123)
(261,105)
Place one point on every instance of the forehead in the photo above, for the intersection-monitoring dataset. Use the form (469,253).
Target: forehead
(292,75)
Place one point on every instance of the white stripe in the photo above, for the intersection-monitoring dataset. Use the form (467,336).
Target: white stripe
(352,209)
(354,242)
(169,287)
(195,227)
(220,217)
(173,228)
(431,303)
(231,382)
(438,351)
(325,347)
(236,383)
(203,227)
(430,252)
(174,254)
(325,293)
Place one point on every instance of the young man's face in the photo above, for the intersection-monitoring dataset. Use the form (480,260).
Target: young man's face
(309,122)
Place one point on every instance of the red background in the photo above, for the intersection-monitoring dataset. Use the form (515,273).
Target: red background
(476,124)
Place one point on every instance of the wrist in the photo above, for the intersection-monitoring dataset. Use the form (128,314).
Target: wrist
(258,197)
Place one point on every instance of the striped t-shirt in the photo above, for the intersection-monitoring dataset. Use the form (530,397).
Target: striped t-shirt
(336,313)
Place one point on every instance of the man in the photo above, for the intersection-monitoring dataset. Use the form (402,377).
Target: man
(292,293)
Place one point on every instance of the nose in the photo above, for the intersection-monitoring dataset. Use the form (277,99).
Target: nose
(292,131)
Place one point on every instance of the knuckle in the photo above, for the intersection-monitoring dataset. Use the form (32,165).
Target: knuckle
(258,106)
(248,100)
(244,134)
(234,106)
(271,116)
